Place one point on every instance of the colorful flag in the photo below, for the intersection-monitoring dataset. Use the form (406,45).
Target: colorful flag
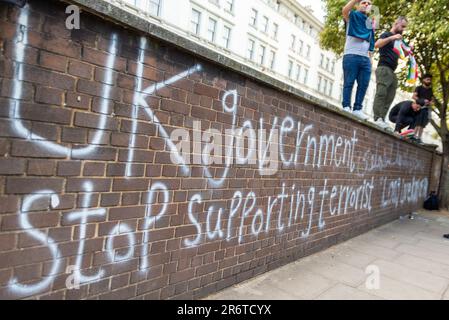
(403,50)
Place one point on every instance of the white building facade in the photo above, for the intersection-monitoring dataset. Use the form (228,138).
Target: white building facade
(277,37)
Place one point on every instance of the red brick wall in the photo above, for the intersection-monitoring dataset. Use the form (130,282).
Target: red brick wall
(87,182)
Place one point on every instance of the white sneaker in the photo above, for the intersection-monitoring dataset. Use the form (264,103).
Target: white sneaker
(381,123)
(347,109)
(360,114)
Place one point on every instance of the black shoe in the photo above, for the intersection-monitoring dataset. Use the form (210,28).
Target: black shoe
(446,236)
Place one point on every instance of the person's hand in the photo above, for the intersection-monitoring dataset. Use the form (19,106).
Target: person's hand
(397,36)
(427,102)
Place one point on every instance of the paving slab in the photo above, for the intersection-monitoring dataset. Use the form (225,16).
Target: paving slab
(412,257)
(344,292)
(392,289)
(406,274)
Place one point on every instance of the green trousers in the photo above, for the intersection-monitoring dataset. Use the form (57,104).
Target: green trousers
(387,84)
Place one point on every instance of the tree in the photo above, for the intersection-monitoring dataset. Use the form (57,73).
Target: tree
(428,31)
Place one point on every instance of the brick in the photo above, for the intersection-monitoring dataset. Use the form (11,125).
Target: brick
(204,90)
(174,106)
(8,241)
(8,85)
(69,168)
(41,167)
(203,113)
(100,58)
(137,156)
(77,100)
(28,273)
(120,294)
(12,166)
(9,204)
(45,113)
(32,150)
(49,95)
(47,78)
(94,169)
(53,61)
(61,46)
(44,131)
(98,184)
(80,69)
(30,185)
(110,199)
(133,184)
(100,75)
(98,89)
(74,135)
(99,153)
(89,120)
(181,276)
(36,219)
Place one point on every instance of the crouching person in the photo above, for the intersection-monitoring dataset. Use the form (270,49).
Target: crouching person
(405,114)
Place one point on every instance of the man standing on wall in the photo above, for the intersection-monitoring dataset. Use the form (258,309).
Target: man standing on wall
(425,92)
(358,52)
(387,82)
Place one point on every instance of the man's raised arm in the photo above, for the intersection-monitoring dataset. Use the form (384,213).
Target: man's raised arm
(347,9)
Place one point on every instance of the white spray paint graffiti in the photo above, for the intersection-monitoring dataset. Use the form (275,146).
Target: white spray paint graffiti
(135,107)
(82,216)
(14,285)
(19,56)
(244,217)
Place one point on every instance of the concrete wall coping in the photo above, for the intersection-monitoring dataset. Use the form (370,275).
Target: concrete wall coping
(127,19)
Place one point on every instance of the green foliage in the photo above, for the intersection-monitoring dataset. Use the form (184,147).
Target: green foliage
(427,31)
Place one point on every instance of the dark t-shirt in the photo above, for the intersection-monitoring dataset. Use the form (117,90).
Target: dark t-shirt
(388,57)
(402,111)
(424,93)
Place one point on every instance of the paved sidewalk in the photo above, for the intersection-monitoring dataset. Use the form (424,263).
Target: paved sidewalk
(412,257)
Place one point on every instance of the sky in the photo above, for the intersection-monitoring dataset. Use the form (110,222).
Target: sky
(317,6)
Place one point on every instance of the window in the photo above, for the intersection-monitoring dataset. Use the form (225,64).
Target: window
(290,68)
(300,47)
(308,52)
(327,64)
(331,86)
(226,36)
(261,55)
(310,30)
(325,86)
(298,72)
(292,42)
(155,7)
(275,31)
(229,5)
(251,44)
(211,30)
(306,76)
(321,60)
(320,79)
(195,22)
(272,59)
(253,18)
(265,24)
(333,66)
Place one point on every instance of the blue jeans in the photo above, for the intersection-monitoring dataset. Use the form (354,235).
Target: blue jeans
(358,68)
